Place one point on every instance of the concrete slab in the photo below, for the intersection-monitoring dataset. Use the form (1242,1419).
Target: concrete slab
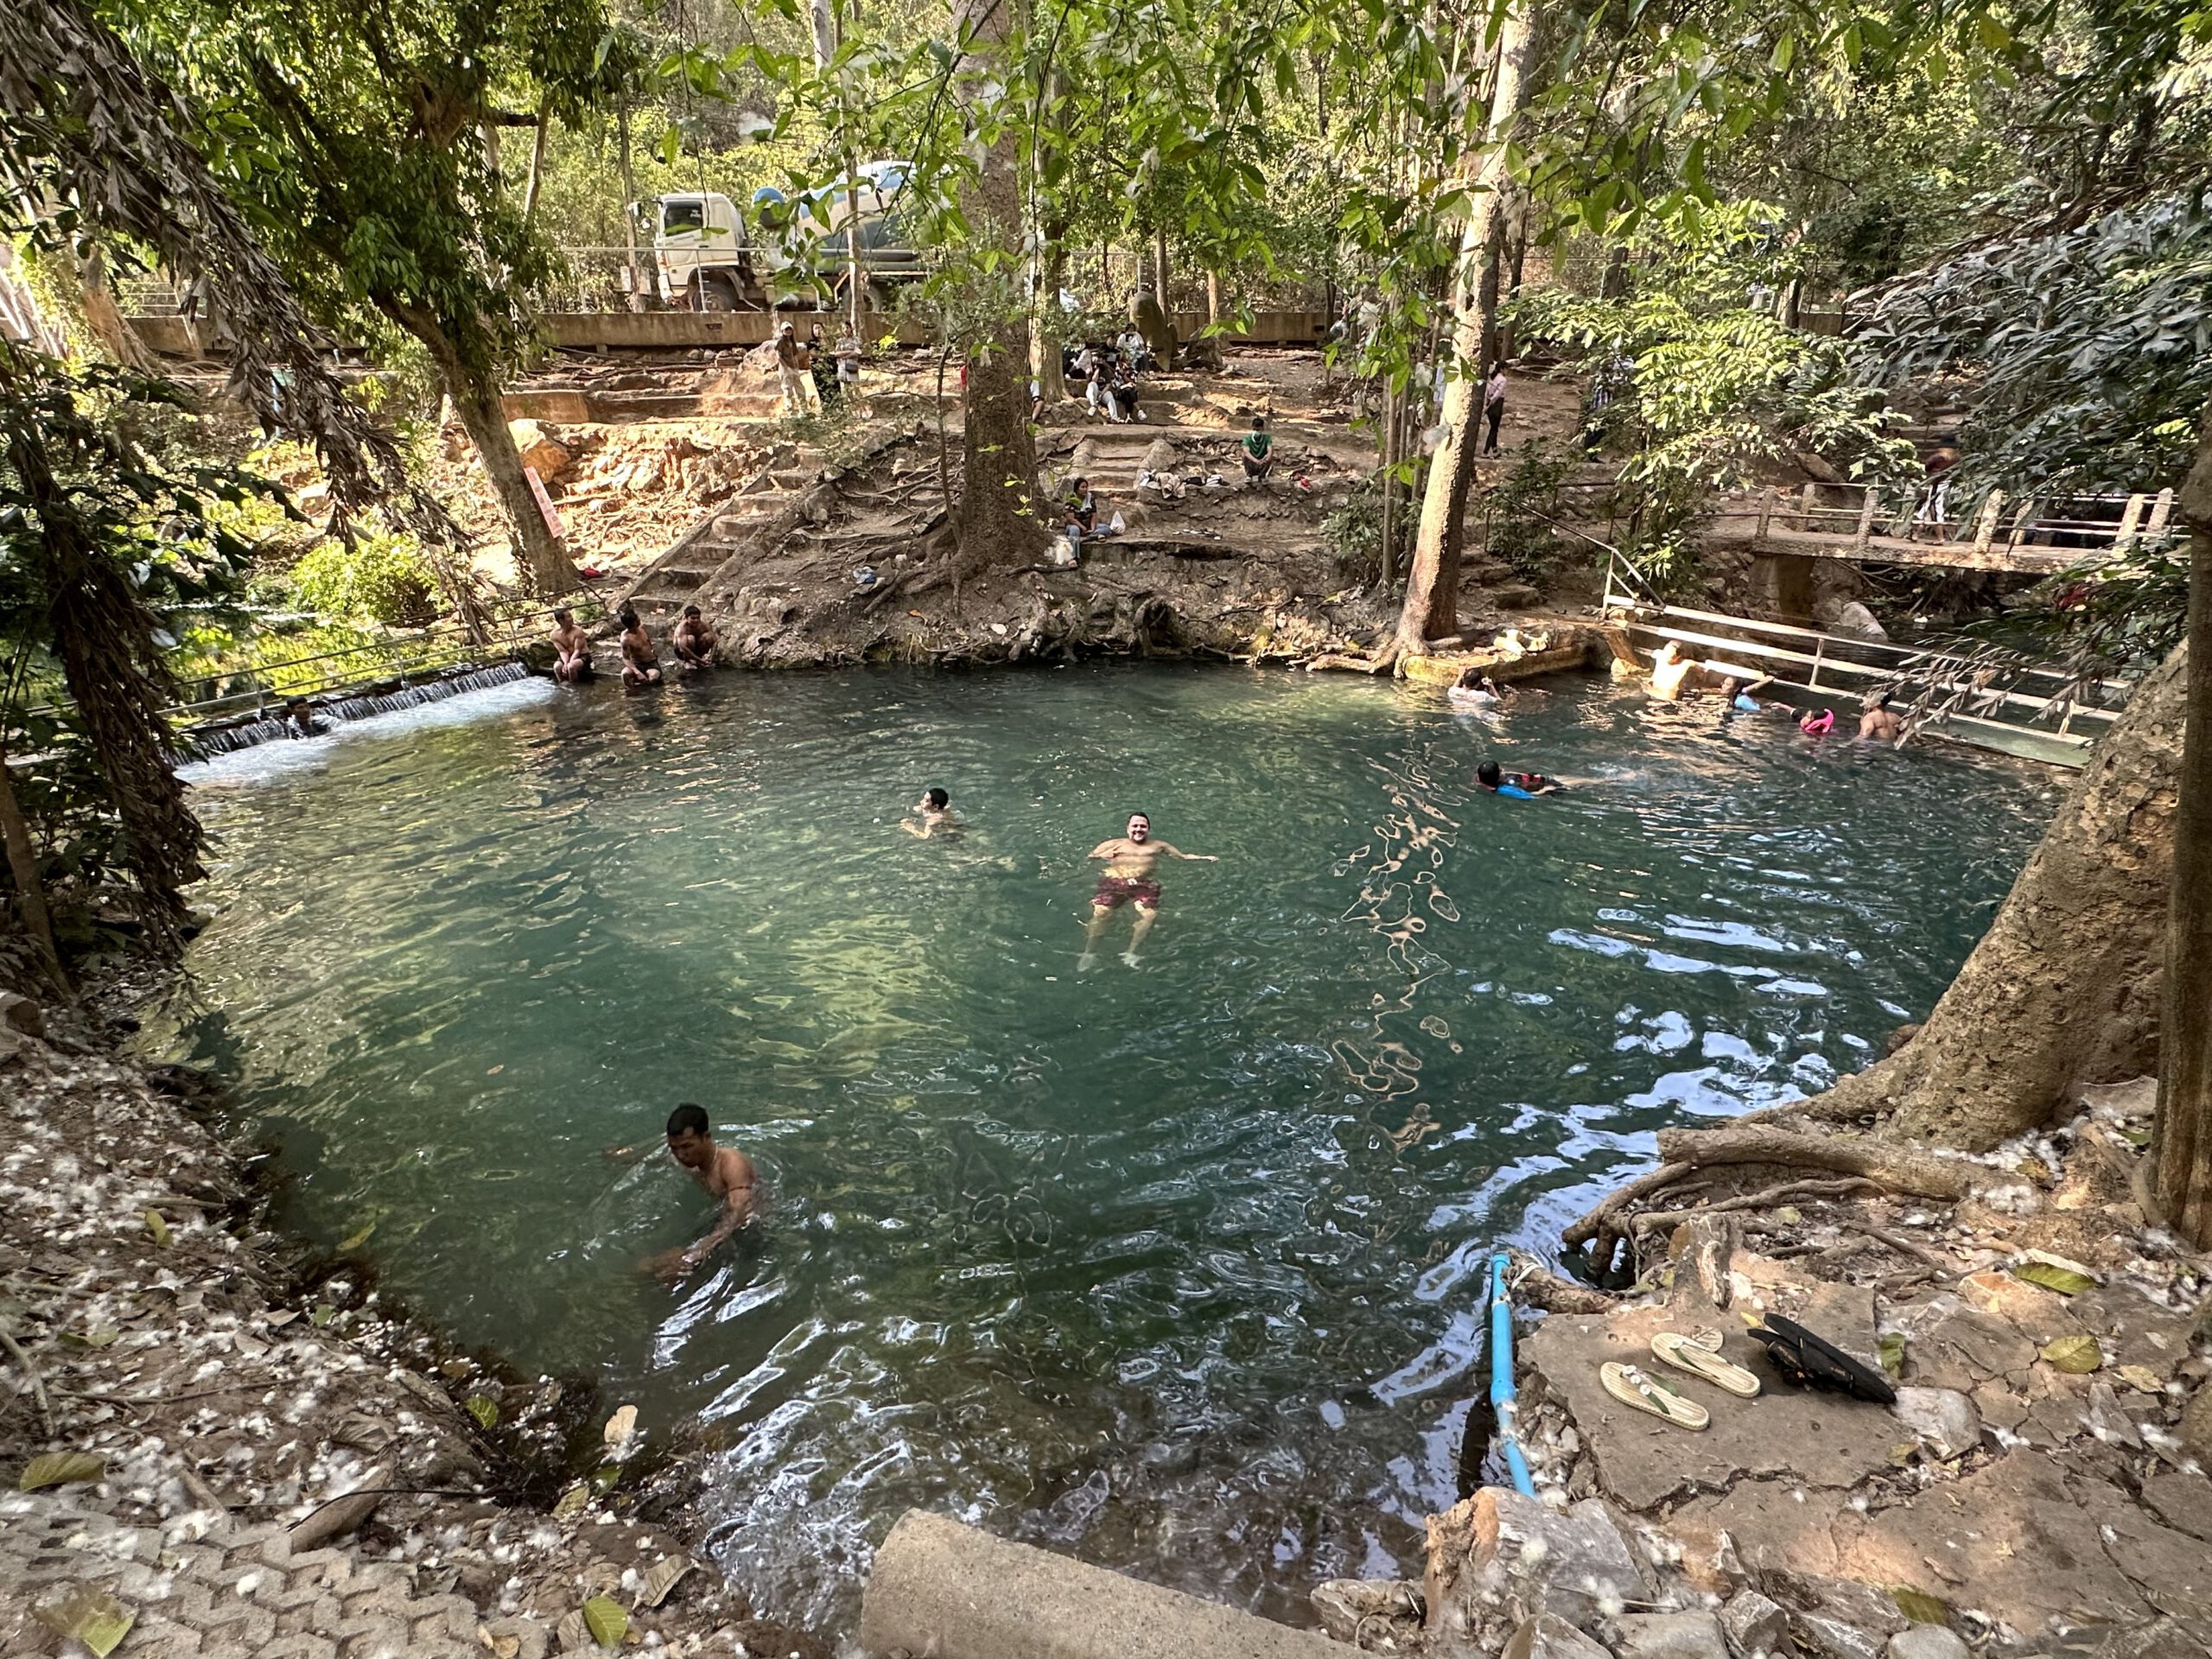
(952,1592)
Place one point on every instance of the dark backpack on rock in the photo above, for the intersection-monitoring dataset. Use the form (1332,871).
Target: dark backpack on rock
(1812,1362)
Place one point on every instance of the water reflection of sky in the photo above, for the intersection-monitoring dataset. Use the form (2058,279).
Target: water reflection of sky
(1177,1268)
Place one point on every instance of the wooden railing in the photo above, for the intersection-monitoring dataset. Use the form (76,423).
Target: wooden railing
(1997,525)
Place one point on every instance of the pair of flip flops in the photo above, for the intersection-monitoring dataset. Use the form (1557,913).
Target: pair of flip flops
(1698,1356)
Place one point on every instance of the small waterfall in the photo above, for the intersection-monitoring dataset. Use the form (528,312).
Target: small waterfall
(206,742)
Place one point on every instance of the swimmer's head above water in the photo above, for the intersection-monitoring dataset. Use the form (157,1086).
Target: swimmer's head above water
(935,800)
(1139,827)
(1488,774)
(690,1137)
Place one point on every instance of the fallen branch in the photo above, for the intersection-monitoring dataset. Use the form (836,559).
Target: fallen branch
(30,1371)
(1916,1173)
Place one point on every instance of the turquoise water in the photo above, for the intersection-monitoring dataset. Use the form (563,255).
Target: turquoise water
(1177,1268)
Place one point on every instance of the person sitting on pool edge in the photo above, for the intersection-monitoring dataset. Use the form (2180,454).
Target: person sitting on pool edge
(724,1171)
(572,646)
(933,817)
(640,662)
(694,641)
(1515,786)
(1128,879)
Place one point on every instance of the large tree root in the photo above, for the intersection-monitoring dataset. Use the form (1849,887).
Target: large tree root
(1684,1152)
(1918,1174)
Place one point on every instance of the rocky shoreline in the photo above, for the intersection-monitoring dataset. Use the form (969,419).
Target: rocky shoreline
(2037,1487)
(223,1449)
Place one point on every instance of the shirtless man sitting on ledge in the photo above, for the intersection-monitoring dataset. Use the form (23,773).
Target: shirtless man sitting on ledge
(1128,879)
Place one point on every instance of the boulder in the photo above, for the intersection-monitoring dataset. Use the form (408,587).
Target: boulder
(2195,1429)
(1944,1420)
(1549,1636)
(1928,1641)
(1754,1624)
(1669,1636)
(1500,1559)
(22,1016)
(540,452)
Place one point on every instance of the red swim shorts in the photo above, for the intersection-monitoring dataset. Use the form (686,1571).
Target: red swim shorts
(1115,891)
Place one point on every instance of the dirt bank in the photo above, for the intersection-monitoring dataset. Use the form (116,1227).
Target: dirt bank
(242,1452)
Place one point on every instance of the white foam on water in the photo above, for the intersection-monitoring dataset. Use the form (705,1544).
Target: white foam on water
(272,762)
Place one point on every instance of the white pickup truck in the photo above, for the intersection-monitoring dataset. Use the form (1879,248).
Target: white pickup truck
(705,260)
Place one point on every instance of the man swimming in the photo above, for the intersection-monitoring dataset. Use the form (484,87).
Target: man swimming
(1128,879)
(1669,668)
(1878,721)
(694,641)
(573,648)
(640,662)
(1515,786)
(724,1171)
(932,817)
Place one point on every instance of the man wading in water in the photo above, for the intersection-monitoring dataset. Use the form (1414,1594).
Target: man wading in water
(725,1172)
(1127,879)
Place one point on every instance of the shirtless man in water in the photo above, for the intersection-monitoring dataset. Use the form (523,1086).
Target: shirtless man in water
(1878,722)
(640,662)
(724,1171)
(573,648)
(1128,879)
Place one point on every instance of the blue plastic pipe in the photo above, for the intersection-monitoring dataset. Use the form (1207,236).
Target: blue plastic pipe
(1501,1377)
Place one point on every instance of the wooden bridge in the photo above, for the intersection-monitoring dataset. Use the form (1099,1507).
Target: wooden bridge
(2029,538)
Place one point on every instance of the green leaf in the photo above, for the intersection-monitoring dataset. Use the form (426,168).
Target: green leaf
(357,1240)
(158,1228)
(572,1501)
(607,1621)
(2064,1280)
(322,1315)
(60,1469)
(1994,35)
(484,1409)
(2077,1356)
(92,1617)
(1919,1606)
(1893,1355)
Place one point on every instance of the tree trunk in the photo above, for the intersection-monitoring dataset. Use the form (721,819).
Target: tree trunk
(30,892)
(997,524)
(1433,588)
(118,680)
(105,318)
(638,292)
(2062,991)
(1045,345)
(2182,1134)
(540,559)
(536,176)
(1213,299)
(1162,277)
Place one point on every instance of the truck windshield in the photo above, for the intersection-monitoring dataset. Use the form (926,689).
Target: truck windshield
(682,213)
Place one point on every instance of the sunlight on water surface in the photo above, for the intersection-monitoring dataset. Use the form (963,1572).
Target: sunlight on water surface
(1177,1268)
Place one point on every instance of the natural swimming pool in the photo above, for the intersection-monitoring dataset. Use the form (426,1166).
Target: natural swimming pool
(1178,1267)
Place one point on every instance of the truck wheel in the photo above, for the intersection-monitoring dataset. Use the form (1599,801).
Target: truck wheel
(712,294)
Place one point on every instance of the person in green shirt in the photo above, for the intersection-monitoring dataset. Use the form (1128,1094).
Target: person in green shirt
(1259,451)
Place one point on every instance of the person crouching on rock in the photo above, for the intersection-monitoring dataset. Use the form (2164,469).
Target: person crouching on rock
(1258,449)
(640,661)
(694,641)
